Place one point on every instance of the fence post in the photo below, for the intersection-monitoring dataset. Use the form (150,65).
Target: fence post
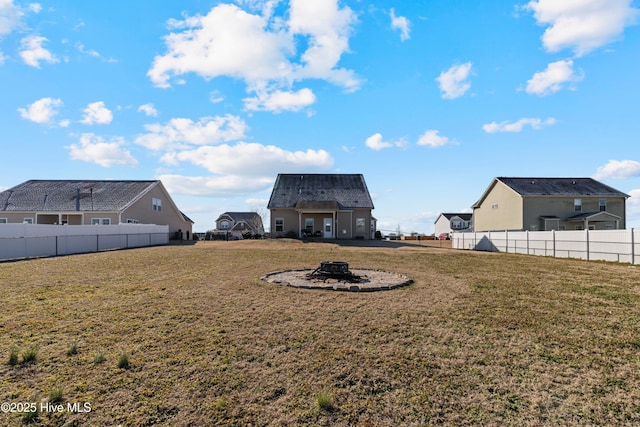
(633,249)
(553,235)
(587,237)
(527,232)
(506,241)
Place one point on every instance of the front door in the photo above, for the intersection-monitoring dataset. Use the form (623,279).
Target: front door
(328,228)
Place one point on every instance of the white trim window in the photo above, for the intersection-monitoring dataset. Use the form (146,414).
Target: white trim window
(360,225)
(100,221)
(4,221)
(279,224)
(224,225)
(577,205)
(602,204)
(27,221)
(157,204)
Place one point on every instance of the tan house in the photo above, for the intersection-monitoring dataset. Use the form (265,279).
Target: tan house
(549,204)
(326,206)
(84,202)
(238,224)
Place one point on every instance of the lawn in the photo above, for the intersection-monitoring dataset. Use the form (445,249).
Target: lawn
(478,339)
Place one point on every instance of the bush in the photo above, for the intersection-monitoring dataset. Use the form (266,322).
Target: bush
(13,356)
(73,349)
(29,355)
(98,357)
(325,402)
(123,361)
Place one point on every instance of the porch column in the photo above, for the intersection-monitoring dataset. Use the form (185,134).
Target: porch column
(300,224)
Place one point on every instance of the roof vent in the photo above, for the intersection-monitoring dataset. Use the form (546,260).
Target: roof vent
(533,182)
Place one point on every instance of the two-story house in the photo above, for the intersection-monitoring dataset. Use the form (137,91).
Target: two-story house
(329,206)
(549,204)
(446,223)
(235,225)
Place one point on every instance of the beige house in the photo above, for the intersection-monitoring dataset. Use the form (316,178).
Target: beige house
(549,204)
(325,206)
(84,202)
(238,224)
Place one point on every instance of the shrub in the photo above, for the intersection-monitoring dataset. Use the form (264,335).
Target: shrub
(123,361)
(13,356)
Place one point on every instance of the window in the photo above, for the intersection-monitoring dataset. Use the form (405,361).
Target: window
(100,221)
(279,224)
(28,221)
(224,225)
(577,205)
(579,227)
(157,204)
(603,205)
(3,220)
(132,221)
(494,206)
(562,227)
(456,224)
(308,225)
(359,225)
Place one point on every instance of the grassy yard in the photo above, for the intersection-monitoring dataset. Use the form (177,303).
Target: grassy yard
(479,339)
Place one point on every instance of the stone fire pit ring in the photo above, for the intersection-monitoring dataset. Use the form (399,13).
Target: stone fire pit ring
(369,280)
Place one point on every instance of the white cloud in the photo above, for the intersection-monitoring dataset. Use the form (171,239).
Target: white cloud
(252,159)
(32,51)
(618,169)
(376,143)
(260,49)
(518,126)
(91,52)
(41,111)
(97,113)
(454,82)
(582,25)
(635,197)
(432,139)
(94,149)
(553,78)
(2,58)
(10,17)
(148,109)
(35,7)
(180,133)
(400,23)
(279,101)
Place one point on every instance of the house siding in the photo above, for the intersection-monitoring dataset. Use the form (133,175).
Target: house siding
(563,207)
(142,210)
(502,209)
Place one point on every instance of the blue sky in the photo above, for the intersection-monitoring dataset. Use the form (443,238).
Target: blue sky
(430,100)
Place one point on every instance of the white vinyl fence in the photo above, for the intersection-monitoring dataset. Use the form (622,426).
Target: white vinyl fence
(606,245)
(37,240)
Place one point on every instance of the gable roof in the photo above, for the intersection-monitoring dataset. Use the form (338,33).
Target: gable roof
(248,217)
(462,216)
(73,195)
(347,190)
(565,187)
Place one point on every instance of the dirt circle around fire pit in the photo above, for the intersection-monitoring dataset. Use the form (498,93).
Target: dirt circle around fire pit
(369,280)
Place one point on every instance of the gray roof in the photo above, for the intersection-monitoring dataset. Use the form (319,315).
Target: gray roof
(560,187)
(462,216)
(242,217)
(347,190)
(62,195)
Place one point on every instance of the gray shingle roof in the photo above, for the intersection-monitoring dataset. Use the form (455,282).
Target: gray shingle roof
(247,217)
(348,190)
(62,195)
(560,187)
(463,216)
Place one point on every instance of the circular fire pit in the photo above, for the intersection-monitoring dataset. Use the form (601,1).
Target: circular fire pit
(336,276)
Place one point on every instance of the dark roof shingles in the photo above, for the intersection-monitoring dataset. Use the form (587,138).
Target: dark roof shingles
(348,190)
(560,187)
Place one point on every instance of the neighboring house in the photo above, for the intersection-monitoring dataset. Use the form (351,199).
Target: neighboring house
(236,224)
(329,206)
(84,202)
(450,222)
(549,204)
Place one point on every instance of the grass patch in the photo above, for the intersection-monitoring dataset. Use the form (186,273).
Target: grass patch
(478,338)
(29,355)
(56,395)
(13,357)
(99,357)
(325,401)
(73,349)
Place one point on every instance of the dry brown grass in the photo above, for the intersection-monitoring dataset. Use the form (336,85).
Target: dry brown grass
(478,339)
